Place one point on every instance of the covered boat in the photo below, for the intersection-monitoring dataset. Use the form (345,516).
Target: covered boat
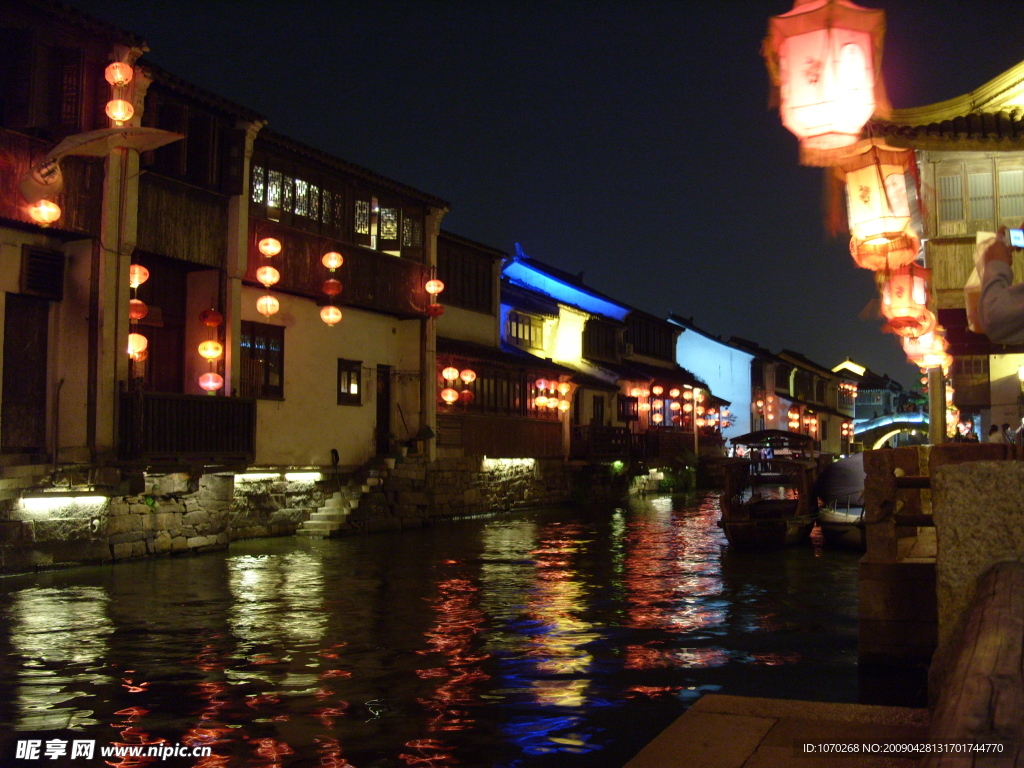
(840,487)
(769,496)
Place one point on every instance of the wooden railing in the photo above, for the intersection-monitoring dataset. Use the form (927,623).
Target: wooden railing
(168,429)
(598,441)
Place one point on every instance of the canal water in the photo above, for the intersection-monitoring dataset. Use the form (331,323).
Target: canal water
(543,638)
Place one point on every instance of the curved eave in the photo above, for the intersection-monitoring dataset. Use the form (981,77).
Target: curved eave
(1002,93)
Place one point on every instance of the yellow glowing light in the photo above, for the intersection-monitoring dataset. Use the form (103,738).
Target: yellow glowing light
(468,376)
(451,373)
(267,305)
(44,212)
(119,74)
(674,392)
(270,246)
(137,275)
(330,315)
(449,395)
(119,110)
(332,260)
(211,350)
(268,276)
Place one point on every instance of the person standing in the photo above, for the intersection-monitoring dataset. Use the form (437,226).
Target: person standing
(1001,305)
(995,435)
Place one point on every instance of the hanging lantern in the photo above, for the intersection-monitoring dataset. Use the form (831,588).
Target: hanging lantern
(451,373)
(119,110)
(634,392)
(211,318)
(701,398)
(677,419)
(331,287)
(674,392)
(657,418)
(540,401)
(688,407)
(658,405)
(793,413)
(435,310)
(904,295)
(330,315)
(564,405)
(644,407)
(645,393)
(878,205)
(541,384)
(137,275)
(928,350)
(563,388)
(701,423)
(449,395)
(267,305)
(759,403)
(137,309)
(468,376)
(824,61)
(700,410)
(466,396)
(137,344)
(211,382)
(267,276)
(44,212)
(270,246)
(434,286)
(552,403)
(687,394)
(332,260)
(657,389)
(211,350)
(674,405)
(119,74)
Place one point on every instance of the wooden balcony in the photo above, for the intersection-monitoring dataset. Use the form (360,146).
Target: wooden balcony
(596,441)
(505,437)
(159,429)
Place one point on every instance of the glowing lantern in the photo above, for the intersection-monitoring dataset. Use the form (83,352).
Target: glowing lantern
(878,206)
(657,389)
(658,404)
(759,403)
(137,344)
(688,407)
(137,309)
(634,392)
(673,393)
(700,410)
(657,418)
(904,296)
(451,373)
(119,74)
(268,276)
(44,212)
(468,376)
(645,393)
(793,414)
(267,305)
(211,350)
(137,275)
(644,407)
(331,287)
(700,397)
(119,110)
(540,401)
(563,405)
(330,315)
(449,395)
(332,260)
(688,394)
(211,318)
(552,402)
(675,406)
(434,286)
(701,423)
(270,246)
(541,384)
(563,388)
(824,60)
(211,382)
(466,396)
(435,310)
(928,350)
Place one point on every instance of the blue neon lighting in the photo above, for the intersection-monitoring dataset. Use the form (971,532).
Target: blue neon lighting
(863,425)
(532,277)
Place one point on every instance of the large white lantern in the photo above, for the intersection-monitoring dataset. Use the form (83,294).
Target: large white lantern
(824,60)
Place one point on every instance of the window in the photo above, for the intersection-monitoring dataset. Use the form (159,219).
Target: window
(979,186)
(600,340)
(1011,194)
(348,382)
(951,202)
(629,408)
(262,358)
(525,331)
(468,277)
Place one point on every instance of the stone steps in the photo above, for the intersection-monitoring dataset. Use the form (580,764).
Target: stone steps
(332,517)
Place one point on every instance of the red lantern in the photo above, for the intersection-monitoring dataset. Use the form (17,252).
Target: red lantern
(137,275)
(268,276)
(119,110)
(270,246)
(451,373)
(466,396)
(330,315)
(824,60)
(331,287)
(118,74)
(904,295)
(137,344)
(656,390)
(211,382)
(332,260)
(435,310)
(137,309)
(449,395)
(468,375)
(211,318)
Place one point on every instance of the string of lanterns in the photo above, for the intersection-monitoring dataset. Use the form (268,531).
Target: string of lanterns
(329,313)
(552,395)
(268,276)
(138,345)
(211,350)
(451,375)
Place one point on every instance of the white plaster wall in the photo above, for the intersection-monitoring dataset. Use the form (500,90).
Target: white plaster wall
(726,371)
(302,429)
(465,325)
(1004,392)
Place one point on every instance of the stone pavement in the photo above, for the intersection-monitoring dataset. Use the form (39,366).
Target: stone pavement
(746,732)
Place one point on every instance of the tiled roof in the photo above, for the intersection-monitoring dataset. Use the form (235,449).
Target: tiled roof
(976,130)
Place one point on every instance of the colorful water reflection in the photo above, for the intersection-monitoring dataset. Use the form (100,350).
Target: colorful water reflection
(549,638)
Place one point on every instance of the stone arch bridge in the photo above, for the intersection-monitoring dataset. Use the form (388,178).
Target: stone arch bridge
(874,433)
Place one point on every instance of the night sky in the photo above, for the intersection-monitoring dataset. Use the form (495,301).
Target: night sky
(627,140)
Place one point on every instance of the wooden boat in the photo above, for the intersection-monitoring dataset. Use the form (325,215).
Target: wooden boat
(769,496)
(840,487)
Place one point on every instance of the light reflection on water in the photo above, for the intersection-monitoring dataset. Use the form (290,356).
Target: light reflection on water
(550,638)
